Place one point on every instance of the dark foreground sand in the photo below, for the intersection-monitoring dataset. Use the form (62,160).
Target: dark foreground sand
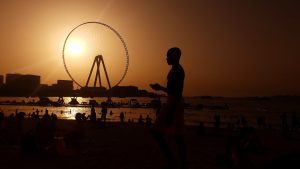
(131,146)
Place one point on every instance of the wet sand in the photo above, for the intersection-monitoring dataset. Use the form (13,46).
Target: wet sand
(131,146)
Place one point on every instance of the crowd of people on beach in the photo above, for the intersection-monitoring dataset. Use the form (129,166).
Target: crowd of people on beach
(288,122)
(43,133)
(242,138)
(13,132)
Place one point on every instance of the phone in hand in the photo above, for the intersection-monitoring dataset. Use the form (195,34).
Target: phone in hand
(154,86)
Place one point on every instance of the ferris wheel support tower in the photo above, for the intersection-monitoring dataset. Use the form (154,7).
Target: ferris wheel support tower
(97,62)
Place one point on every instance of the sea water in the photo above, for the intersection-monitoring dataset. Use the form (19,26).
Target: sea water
(199,109)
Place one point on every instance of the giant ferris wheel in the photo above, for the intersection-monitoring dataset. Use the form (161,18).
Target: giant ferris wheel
(95,50)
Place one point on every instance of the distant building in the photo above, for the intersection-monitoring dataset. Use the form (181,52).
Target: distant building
(22,85)
(1,80)
(2,89)
(30,85)
(19,79)
(44,90)
(93,91)
(63,87)
(66,85)
(125,91)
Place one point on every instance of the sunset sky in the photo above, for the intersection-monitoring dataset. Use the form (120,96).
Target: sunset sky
(241,48)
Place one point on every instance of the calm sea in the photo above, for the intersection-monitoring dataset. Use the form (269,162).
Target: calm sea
(251,108)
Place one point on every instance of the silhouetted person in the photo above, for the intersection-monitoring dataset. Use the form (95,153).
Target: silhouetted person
(238,121)
(84,117)
(148,120)
(122,117)
(12,129)
(295,122)
(46,116)
(32,116)
(93,114)
(45,130)
(78,117)
(141,120)
(19,122)
(261,121)
(53,117)
(78,133)
(104,111)
(37,112)
(284,122)
(217,119)
(243,121)
(1,114)
(170,119)
(201,129)
(1,118)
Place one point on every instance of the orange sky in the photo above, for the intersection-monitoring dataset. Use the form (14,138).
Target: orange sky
(229,49)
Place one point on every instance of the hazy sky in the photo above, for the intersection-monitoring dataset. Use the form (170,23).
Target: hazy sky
(229,48)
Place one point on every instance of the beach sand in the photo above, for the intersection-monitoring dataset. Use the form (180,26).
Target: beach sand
(131,146)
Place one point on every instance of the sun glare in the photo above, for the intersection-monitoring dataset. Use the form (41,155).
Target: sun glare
(75,48)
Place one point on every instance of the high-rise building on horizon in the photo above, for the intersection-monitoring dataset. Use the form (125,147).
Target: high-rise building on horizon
(1,80)
(65,84)
(20,84)
(63,87)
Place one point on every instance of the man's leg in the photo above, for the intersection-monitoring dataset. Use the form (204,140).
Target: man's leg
(165,148)
(182,151)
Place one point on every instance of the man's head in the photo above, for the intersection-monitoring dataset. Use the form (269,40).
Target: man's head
(173,56)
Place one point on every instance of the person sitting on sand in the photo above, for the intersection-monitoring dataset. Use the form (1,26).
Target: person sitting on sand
(170,118)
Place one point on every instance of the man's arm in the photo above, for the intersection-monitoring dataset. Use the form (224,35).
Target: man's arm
(158,87)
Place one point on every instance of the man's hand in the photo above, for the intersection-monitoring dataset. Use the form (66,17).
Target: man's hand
(155,86)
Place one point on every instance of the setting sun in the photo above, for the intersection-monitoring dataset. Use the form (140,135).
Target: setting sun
(75,48)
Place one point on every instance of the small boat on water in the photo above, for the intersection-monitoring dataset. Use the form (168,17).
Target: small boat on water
(93,103)
(134,103)
(60,102)
(73,101)
(44,101)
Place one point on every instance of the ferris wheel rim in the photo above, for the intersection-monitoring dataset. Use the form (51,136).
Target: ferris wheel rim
(118,35)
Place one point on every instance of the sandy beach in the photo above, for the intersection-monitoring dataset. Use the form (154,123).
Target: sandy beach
(131,146)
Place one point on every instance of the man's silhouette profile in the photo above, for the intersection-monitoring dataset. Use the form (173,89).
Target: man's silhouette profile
(170,119)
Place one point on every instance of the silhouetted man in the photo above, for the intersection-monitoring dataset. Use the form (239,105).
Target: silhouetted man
(93,114)
(170,119)
(104,112)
